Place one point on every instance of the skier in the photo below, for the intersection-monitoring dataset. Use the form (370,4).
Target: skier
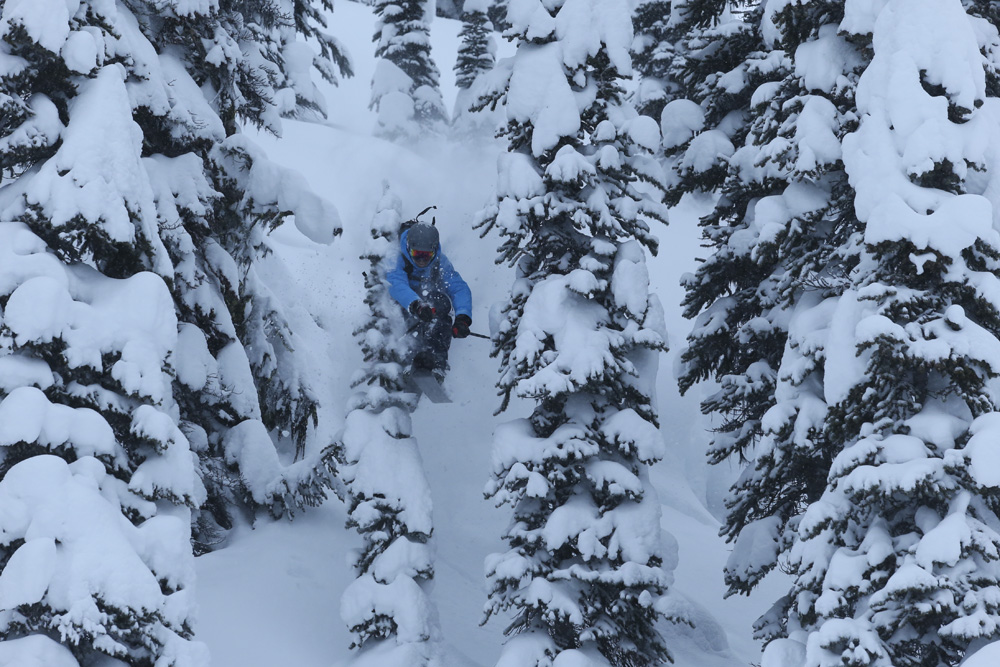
(427,286)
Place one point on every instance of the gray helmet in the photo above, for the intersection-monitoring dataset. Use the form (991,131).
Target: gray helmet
(422,237)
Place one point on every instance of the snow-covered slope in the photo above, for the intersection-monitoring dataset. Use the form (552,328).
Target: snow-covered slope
(271,597)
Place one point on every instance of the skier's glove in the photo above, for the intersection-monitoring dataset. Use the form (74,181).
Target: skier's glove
(422,310)
(461,327)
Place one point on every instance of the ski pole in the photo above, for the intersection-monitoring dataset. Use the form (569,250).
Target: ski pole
(472,333)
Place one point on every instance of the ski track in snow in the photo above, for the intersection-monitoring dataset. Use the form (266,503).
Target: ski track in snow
(272,595)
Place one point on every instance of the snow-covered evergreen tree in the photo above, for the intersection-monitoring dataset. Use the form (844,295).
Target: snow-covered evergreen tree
(297,93)
(896,564)
(580,336)
(387,607)
(76,570)
(476,57)
(96,476)
(781,231)
(477,52)
(497,14)
(203,198)
(815,324)
(239,381)
(719,59)
(405,89)
(653,55)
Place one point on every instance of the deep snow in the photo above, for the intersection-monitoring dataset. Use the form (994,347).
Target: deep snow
(272,595)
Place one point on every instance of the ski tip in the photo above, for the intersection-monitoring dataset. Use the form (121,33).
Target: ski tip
(430,386)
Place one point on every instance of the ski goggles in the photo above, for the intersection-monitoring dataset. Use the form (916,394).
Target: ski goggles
(422,257)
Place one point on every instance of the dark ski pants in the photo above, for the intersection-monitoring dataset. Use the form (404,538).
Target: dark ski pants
(433,338)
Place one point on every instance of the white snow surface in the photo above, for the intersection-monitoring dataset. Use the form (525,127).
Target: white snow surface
(273,595)
(36,651)
(987,656)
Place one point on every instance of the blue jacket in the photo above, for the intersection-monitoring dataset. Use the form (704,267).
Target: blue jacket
(407,278)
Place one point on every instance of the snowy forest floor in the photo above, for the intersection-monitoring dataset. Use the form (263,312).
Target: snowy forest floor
(271,595)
